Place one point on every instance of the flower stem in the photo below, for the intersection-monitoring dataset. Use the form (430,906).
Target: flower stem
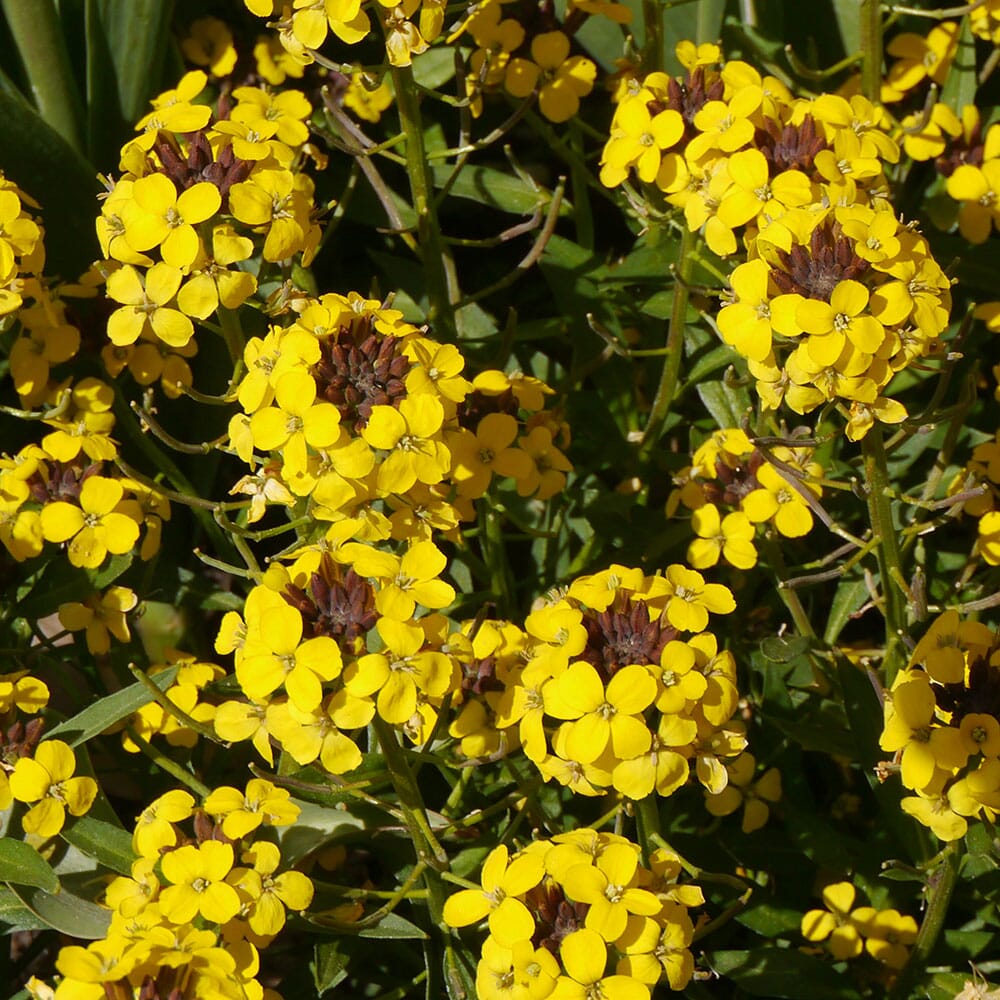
(940,887)
(652,24)
(647,822)
(172,768)
(428,850)
(871,49)
(886,550)
(439,267)
(674,350)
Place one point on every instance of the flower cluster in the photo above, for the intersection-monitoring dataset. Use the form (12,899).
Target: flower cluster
(602,689)
(195,910)
(731,487)
(848,931)
(409,26)
(363,415)
(196,197)
(21,250)
(837,294)
(942,723)
(523,62)
(579,915)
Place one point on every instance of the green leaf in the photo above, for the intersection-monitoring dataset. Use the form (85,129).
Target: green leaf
(769,920)
(316,825)
(846,12)
(92,721)
(15,916)
(21,864)
(67,913)
(497,189)
(948,985)
(329,964)
(850,595)
(38,36)
(963,81)
(784,649)
(394,927)
(727,405)
(782,974)
(127,41)
(459,974)
(106,843)
(435,67)
(46,167)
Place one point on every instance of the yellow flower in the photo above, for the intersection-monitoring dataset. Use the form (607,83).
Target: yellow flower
(978,189)
(602,717)
(278,656)
(843,318)
(197,873)
(210,43)
(778,500)
(743,790)
(585,956)
(411,437)
(921,58)
(834,925)
(502,881)
(909,726)
(887,935)
(691,599)
(637,138)
(296,423)
(154,826)
(157,216)
(730,537)
(96,527)
(145,306)
(565,78)
(243,812)
(47,780)
(610,887)
(102,615)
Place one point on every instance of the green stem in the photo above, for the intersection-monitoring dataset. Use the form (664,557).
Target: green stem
(427,848)
(940,887)
(652,24)
(38,35)
(439,267)
(647,822)
(789,597)
(164,763)
(667,387)
(494,552)
(232,333)
(871,49)
(886,550)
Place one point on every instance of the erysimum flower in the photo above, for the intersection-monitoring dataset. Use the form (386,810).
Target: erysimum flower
(47,780)
(502,879)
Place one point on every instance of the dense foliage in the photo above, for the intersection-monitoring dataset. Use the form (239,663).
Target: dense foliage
(499,500)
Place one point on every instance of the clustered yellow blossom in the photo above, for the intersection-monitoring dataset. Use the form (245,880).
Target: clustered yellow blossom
(981,478)
(195,910)
(731,487)
(579,916)
(409,26)
(360,420)
(616,684)
(848,931)
(837,294)
(941,725)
